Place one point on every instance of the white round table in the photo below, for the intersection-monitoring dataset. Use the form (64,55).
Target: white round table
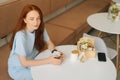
(100,22)
(68,70)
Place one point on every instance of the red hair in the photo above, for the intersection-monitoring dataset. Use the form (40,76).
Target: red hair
(39,41)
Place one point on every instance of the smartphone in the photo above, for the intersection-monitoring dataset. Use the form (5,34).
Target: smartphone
(101,56)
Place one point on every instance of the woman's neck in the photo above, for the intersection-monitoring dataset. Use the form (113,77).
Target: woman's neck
(29,30)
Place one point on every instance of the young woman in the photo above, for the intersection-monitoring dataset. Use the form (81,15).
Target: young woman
(29,39)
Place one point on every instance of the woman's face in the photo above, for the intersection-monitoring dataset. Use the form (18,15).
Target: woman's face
(32,20)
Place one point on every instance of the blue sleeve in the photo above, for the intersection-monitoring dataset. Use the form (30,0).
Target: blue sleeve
(19,44)
(46,36)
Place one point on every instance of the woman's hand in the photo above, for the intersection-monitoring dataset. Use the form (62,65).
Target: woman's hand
(56,60)
(62,56)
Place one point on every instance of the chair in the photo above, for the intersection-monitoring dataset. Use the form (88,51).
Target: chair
(101,46)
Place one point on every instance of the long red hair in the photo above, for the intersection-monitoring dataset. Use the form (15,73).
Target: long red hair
(39,41)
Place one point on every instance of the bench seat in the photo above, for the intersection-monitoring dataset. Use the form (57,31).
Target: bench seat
(75,18)
(60,35)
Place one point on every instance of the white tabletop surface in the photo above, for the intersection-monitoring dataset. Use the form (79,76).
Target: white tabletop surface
(68,70)
(117,1)
(100,22)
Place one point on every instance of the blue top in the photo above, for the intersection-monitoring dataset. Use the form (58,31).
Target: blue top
(23,45)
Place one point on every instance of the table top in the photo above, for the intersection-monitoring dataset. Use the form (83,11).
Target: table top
(100,22)
(92,69)
(117,1)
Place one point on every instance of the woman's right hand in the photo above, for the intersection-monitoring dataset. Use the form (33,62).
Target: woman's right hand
(56,61)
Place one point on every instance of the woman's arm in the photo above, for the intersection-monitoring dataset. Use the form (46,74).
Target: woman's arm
(50,60)
(28,63)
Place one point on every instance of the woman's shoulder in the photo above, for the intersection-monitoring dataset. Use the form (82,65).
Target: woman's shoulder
(20,33)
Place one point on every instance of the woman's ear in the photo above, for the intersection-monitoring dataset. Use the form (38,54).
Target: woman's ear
(25,20)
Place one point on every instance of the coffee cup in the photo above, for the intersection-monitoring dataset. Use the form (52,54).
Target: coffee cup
(74,55)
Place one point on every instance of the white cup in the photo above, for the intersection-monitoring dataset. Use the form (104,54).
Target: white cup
(74,57)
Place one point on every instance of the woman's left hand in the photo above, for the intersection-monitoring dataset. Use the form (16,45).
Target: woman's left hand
(62,56)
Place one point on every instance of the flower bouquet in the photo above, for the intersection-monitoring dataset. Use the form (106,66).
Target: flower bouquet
(113,12)
(86,48)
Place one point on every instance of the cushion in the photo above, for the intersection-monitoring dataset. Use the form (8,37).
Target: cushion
(60,35)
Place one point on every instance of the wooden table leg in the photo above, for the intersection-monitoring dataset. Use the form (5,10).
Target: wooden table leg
(117,48)
(99,34)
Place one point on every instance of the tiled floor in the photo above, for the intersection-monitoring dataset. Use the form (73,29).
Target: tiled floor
(110,41)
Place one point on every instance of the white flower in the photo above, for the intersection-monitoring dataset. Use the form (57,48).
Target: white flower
(84,46)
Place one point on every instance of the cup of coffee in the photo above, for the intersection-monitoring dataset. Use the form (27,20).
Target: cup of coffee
(74,55)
